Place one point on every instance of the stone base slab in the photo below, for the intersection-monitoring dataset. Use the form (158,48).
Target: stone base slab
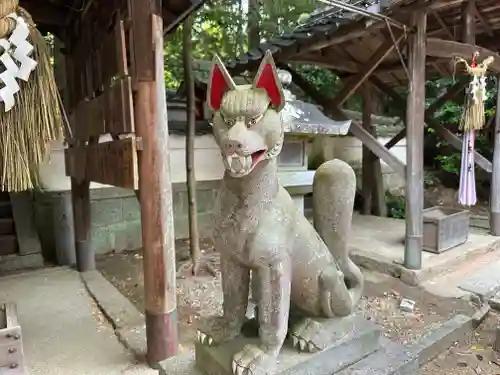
(352,339)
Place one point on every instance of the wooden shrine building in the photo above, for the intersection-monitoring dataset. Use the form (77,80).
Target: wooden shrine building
(388,45)
(112,66)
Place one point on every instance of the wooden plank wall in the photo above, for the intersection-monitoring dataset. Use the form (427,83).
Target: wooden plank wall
(101,83)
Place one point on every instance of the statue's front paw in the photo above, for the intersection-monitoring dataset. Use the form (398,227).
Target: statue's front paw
(253,360)
(307,336)
(216,330)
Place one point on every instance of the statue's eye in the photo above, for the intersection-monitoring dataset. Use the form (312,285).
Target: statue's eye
(254,120)
(230,122)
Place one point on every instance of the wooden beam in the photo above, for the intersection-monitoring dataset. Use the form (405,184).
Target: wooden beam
(354,82)
(356,128)
(448,49)
(48,14)
(155,184)
(495,178)
(111,163)
(415,113)
(372,178)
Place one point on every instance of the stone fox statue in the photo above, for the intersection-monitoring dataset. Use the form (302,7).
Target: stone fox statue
(259,229)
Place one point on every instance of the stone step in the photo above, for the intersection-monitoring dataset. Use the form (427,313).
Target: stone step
(8,244)
(484,282)
(351,339)
(391,359)
(7,226)
(5,209)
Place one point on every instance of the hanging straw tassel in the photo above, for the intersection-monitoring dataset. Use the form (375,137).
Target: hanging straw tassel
(27,130)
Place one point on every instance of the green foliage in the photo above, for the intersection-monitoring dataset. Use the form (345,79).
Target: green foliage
(220,27)
(395,205)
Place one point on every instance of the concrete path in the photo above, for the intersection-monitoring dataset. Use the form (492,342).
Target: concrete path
(63,331)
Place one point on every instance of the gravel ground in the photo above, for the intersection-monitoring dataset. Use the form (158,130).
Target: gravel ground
(472,356)
(202,296)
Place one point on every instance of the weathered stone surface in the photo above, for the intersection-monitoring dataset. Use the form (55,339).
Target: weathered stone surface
(495,301)
(485,282)
(352,339)
(391,359)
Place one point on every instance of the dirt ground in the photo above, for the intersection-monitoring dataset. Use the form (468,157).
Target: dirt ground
(202,296)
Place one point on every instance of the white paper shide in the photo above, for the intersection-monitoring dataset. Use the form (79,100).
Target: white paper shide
(16,61)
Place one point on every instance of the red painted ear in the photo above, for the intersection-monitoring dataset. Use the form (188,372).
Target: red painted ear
(219,83)
(267,79)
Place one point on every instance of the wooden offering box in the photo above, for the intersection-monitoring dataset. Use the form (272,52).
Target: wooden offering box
(11,343)
(445,228)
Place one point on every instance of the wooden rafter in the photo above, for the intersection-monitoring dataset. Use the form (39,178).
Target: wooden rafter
(342,34)
(483,21)
(354,82)
(443,25)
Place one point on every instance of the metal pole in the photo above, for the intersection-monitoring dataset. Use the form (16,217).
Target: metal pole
(415,114)
(495,178)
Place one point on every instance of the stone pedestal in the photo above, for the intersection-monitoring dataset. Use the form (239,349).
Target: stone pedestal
(351,339)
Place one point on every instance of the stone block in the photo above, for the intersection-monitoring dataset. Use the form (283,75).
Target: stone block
(391,359)
(205,200)
(351,339)
(484,282)
(106,212)
(438,340)
(10,263)
(102,240)
(495,302)
(131,210)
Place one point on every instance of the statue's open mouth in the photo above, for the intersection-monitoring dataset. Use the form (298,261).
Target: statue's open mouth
(239,166)
(256,156)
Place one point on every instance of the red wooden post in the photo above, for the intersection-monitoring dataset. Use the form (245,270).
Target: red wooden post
(155,187)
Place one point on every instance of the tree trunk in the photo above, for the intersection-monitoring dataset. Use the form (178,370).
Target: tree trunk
(253,29)
(194,243)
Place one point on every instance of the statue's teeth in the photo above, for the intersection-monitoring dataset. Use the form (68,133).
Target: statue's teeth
(235,366)
(203,337)
(310,347)
(295,341)
(210,341)
(302,345)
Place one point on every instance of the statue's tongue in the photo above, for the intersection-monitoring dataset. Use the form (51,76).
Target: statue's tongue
(256,156)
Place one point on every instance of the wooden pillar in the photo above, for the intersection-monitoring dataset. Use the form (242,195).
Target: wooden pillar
(80,189)
(372,179)
(80,197)
(155,186)
(495,178)
(469,22)
(415,143)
